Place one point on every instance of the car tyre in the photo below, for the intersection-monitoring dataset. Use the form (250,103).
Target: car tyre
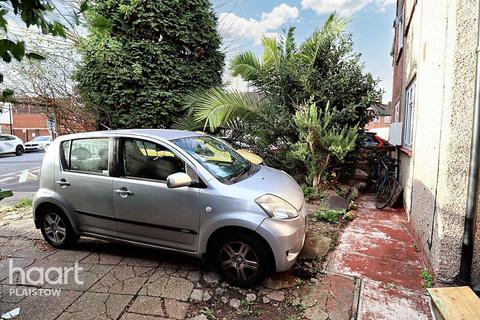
(57,229)
(240,259)
(19,151)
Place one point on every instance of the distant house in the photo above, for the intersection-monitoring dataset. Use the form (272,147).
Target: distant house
(23,121)
(434,62)
(381,121)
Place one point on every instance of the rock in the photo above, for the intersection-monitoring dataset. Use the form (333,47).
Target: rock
(193,275)
(220,291)
(224,300)
(316,313)
(344,188)
(196,295)
(315,247)
(276,295)
(360,174)
(211,277)
(206,296)
(281,280)
(353,193)
(266,300)
(336,202)
(251,297)
(360,186)
(235,303)
(296,301)
(199,317)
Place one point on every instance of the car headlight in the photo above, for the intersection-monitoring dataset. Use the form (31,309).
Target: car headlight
(276,207)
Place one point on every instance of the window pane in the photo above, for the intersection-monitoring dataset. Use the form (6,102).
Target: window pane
(90,155)
(65,149)
(147,160)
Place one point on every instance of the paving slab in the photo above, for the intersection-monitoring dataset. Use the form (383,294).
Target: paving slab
(147,305)
(46,307)
(123,279)
(380,301)
(378,248)
(98,306)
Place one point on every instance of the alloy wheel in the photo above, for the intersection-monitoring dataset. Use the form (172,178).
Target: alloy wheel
(239,260)
(54,228)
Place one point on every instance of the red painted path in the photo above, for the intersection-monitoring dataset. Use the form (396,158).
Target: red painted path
(378,247)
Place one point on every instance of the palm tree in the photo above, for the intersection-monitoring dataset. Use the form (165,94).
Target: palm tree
(280,76)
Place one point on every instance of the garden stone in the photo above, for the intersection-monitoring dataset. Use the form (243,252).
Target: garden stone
(266,300)
(235,303)
(206,296)
(336,202)
(251,297)
(211,277)
(199,317)
(276,295)
(316,247)
(196,295)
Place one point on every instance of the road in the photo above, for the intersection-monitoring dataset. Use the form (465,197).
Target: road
(11,167)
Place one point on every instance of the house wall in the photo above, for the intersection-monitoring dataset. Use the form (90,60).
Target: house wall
(439,54)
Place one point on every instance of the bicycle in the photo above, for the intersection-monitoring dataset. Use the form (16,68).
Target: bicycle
(387,182)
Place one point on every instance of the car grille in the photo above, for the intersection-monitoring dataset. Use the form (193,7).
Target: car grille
(31,144)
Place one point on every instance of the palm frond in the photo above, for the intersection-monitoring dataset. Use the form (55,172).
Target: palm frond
(187,123)
(247,65)
(271,53)
(331,29)
(216,107)
(289,42)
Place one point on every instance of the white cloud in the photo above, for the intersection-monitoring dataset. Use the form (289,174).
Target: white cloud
(234,27)
(343,7)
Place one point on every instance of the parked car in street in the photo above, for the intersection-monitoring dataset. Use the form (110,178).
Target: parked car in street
(373,142)
(11,144)
(39,143)
(175,190)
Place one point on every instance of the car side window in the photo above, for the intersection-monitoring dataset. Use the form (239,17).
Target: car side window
(148,160)
(88,155)
(64,154)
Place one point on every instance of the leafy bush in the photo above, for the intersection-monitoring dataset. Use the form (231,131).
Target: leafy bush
(320,139)
(141,58)
(328,215)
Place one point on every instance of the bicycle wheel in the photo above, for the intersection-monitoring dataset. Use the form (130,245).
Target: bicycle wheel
(385,192)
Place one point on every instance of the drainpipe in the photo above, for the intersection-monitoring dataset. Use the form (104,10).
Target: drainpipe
(473,181)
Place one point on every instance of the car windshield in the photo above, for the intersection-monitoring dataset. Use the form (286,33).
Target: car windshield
(221,160)
(42,138)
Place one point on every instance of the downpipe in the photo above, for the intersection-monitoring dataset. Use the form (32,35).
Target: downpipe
(466,262)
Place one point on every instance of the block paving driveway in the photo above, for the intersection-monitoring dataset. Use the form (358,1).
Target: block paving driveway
(126,282)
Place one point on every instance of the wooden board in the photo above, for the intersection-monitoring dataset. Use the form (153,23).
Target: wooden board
(456,303)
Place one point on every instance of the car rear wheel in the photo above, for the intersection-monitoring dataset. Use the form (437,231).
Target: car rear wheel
(57,230)
(240,259)
(19,151)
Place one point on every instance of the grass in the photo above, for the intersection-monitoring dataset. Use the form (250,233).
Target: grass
(20,205)
(328,215)
(209,313)
(244,308)
(427,279)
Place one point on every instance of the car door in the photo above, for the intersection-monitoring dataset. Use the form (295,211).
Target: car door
(7,144)
(85,184)
(147,210)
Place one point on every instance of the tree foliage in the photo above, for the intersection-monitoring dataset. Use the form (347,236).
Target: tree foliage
(323,69)
(320,138)
(143,56)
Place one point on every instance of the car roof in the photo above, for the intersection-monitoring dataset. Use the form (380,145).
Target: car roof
(165,134)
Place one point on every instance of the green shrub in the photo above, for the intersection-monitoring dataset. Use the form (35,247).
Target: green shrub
(329,215)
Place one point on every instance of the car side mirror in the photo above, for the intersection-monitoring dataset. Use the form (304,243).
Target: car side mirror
(179,179)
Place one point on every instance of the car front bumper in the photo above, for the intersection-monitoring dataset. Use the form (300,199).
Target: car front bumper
(33,148)
(286,238)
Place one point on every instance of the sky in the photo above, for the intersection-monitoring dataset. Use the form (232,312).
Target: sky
(242,23)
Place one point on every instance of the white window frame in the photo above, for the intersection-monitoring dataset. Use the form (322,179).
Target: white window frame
(408,121)
(399,30)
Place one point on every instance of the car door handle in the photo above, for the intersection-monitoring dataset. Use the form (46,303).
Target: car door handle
(63,183)
(123,192)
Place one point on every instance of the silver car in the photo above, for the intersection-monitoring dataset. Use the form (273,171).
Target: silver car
(174,190)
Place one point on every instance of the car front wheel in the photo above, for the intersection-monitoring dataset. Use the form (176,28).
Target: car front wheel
(241,259)
(19,151)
